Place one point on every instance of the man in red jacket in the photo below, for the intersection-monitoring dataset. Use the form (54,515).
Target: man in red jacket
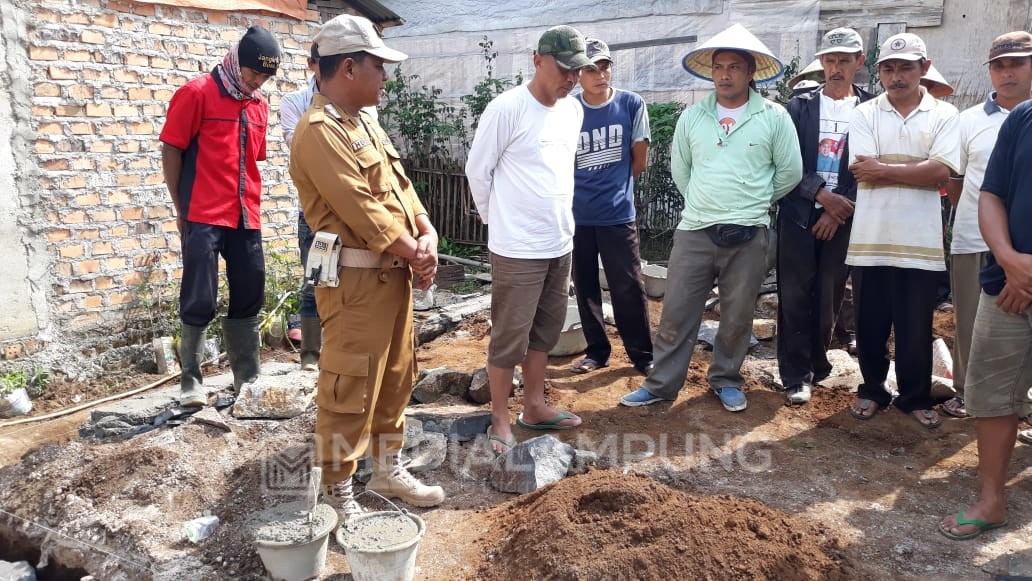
(213,137)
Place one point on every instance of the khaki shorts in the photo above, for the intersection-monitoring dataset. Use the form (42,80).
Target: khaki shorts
(999,373)
(528,306)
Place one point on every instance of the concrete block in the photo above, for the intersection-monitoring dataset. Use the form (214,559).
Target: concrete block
(532,464)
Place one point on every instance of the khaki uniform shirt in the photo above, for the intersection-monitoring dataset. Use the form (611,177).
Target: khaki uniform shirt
(349,179)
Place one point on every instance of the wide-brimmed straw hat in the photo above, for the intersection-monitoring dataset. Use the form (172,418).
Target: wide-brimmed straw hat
(936,84)
(811,72)
(699,62)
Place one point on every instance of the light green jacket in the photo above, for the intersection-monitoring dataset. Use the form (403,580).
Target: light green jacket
(734,179)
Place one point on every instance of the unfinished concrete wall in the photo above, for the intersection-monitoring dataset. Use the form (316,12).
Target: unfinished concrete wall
(23,317)
(95,240)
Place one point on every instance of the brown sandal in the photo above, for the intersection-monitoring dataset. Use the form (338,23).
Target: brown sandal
(865,404)
(955,407)
(587,365)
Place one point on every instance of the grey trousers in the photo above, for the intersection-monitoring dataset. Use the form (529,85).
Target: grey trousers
(695,262)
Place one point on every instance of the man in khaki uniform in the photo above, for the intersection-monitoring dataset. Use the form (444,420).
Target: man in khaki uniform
(350,182)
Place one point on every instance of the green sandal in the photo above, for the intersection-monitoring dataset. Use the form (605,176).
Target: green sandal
(981,524)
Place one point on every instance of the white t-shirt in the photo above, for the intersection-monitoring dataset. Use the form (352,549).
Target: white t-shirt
(897,224)
(728,118)
(978,128)
(520,172)
(831,141)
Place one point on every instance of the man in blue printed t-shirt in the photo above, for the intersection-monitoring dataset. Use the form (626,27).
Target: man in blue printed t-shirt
(613,150)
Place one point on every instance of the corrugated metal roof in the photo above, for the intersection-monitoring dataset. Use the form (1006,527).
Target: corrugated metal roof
(376,12)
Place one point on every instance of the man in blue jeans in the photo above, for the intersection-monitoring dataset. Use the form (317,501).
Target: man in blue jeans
(292,109)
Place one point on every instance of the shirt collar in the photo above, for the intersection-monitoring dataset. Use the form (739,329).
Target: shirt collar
(312,86)
(320,101)
(927,101)
(991,106)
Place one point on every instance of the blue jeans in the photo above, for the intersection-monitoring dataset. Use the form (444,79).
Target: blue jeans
(305,236)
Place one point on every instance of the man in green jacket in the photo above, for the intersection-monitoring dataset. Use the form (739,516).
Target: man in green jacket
(734,154)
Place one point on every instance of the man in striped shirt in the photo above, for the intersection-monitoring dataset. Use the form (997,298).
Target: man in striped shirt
(903,145)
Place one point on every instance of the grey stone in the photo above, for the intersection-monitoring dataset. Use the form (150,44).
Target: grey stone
(17,571)
(608,315)
(1012,566)
(136,410)
(460,422)
(173,413)
(428,454)
(582,459)
(479,390)
(210,417)
(106,427)
(272,397)
(942,389)
(532,464)
(767,305)
(364,471)
(708,333)
(413,433)
(440,382)
(764,329)
(842,363)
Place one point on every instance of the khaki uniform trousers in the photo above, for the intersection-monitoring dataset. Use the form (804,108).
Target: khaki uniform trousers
(367,368)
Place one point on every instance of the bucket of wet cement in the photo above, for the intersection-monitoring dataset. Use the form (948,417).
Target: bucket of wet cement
(291,541)
(382,545)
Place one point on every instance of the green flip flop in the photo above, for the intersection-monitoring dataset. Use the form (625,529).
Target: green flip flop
(493,438)
(552,424)
(981,524)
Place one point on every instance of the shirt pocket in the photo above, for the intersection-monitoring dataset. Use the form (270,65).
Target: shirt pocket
(343,381)
(372,164)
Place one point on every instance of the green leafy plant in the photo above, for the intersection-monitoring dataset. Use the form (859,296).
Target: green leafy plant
(418,120)
(451,248)
(33,380)
(487,88)
(782,92)
(282,291)
(874,84)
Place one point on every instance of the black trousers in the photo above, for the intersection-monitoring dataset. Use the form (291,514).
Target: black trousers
(811,279)
(245,272)
(618,248)
(900,299)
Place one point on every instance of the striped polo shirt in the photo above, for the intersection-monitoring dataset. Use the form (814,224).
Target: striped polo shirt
(901,225)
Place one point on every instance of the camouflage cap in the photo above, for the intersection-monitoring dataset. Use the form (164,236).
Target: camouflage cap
(566,44)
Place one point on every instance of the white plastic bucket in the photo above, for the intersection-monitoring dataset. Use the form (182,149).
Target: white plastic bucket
(396,562)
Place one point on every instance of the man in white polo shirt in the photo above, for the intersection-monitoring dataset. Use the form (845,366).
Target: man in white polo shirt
(520,171)
(1010,70)
(903,146)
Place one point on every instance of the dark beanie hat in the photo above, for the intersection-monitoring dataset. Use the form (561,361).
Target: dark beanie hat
(259,51)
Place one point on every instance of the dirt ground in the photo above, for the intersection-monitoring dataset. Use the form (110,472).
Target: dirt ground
(684,490)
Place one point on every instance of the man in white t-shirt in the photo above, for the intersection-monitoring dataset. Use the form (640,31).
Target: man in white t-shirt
(520,170)
(902,148)
(815,218)
(1011,75)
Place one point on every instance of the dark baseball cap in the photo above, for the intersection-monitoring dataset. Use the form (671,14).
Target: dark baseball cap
(567,45)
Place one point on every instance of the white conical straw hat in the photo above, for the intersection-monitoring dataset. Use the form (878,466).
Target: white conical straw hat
(936,84)
(812,72)
(699,62)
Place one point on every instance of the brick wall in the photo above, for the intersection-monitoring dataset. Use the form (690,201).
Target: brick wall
(103,72)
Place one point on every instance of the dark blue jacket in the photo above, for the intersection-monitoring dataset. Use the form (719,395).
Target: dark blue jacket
(798,205)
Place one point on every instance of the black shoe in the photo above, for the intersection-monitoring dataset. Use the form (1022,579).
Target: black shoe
(646,369)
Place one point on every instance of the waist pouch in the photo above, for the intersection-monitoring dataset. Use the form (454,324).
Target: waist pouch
(727,235)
